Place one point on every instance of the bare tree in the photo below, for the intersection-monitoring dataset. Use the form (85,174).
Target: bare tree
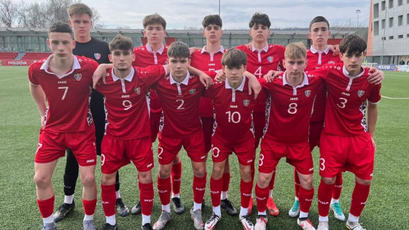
(8,12)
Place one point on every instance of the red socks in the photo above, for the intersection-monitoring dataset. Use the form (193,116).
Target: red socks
(296,183)
(245,191)
(261,197)
(176,177)
(46,207)
(108,199)
(89,205)
(146,197)
(273,179)
(359,197)
(305,198)
(324,198)
(199,188)
(164,190)
(226,182)
(215,188)
(336,192)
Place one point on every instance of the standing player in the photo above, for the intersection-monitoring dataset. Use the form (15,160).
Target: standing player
(233,133)
(209,59)
(291,97)
(347,142)
(155,52)
(80,20)
(63,82)
(127,136)
(319,54)
(179,94)
(262,57)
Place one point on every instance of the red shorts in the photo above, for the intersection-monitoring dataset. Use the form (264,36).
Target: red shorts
(259,123)
(51,146)
(315,133)
(244,150)
(298,155)
(355,154)
(169,147)
(117,152)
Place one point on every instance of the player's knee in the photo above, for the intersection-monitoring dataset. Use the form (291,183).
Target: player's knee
(199,172)
(42,181)
(88,179)
(263,181)
(363,182)
(145,177)
(217,171)
(246,174)
(307,182)
(108,179)
(328,180)
(164,172)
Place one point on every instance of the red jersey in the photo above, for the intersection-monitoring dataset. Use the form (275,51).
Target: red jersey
(67,95)
(144,57)
(180,103)
(125,101)
(315,59)
(290,108)
(259,62)
(205,61)
(233,111)
(347,100)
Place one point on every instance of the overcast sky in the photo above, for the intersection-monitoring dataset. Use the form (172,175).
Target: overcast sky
(181,14)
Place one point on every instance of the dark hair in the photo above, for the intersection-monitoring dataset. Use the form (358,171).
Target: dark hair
(352,44)
(178,49)
(79,9)
(154,19)
(319,19)
(212,19)
(234,58)
(259,18)
(61,27)
(120,42)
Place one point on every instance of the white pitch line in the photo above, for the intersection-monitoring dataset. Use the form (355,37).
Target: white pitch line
(395,98)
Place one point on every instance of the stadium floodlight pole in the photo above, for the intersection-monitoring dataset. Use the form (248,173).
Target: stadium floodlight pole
(219,7)
(358,11)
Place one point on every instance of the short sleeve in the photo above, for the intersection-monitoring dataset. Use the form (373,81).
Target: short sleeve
(32,76)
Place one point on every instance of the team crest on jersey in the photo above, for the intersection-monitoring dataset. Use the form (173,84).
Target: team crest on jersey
(78,76)
(338,68)
(307,93)
(270,59)
(192,91)
(97,56)
(361,93)
(138,90)
(246,102)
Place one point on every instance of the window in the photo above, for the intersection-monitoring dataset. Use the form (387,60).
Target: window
(384,38)
(391,22)
(400,36)
(376,10)
(390,4)
(400,20)
(383,5)
(407,19)
(407,35)
(383,23)
(390,37)
(376,28)
(400,2)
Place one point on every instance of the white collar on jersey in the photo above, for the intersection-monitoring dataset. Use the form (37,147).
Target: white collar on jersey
(303,83)
(265,49)
(160,51)
(346,73)
(240,88)
(314,51)
(76,65)
(184,82)
(221,50)
(129,77)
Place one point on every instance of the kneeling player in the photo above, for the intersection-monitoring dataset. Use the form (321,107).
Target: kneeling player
(233,133)
(291,97)
(62,82)
(127,137)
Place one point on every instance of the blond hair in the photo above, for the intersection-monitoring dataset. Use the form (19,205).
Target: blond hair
(295,50)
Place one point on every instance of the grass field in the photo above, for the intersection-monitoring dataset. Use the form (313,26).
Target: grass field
(19,126)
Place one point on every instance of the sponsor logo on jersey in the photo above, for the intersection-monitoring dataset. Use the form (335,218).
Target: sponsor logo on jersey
(307,93)
(331,62)
(192,91)
(270,59)
(97,56)
(361,93)
(77,76)
(138,90)
(246,102)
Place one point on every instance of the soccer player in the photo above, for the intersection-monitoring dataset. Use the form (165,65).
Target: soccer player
(291,97)
(127,137)
(63,83)
(319,54)
(233,133)
(80,20)
(346,142)
(179,94)
(262,57)
(155,52)
(209,59)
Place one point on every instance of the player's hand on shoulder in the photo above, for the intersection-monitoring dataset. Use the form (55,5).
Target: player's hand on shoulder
(375,76)
(254,85)
(270,75)
(220,76)
(334,49)
(205,80)
(99,73)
